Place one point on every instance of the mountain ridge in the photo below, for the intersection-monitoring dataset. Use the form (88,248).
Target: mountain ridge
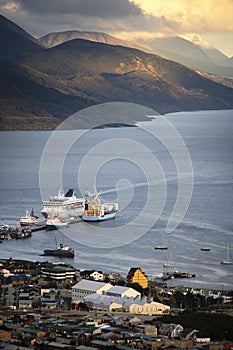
(176,48)
(42,86)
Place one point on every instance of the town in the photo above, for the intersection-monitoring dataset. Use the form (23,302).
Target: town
(47,305)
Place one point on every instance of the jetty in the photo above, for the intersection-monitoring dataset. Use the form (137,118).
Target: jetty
(10,232)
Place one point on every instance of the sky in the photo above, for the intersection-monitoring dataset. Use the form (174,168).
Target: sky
(208,20)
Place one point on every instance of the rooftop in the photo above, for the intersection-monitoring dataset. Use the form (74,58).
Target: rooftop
(90,285)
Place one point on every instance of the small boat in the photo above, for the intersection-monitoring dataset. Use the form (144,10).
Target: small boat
(170,273)
(95,211)
(160,247)
(56,223)
(228,261)
(178,274)
(29,219)
(23,233)
(63,252)
(205,249)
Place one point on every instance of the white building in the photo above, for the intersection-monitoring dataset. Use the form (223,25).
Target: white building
(88,287)
(97,276)
(105,297)
(120,292)
(132,305)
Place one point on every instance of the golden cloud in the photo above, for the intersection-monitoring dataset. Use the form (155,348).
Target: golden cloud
(195,15)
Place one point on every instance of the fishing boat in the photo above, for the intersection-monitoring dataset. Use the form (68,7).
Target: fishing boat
(228,261)
(95,211)
(29,219)
(63,252)
(65,207)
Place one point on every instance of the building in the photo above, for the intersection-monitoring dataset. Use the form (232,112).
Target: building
(97,276)
(120,292)
(57,271)
(92,275)
(108,303)
(136,275)
(88,287)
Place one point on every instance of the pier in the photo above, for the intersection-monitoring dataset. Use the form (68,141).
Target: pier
(9,232)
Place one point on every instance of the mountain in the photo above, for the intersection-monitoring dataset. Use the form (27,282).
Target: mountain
(116,72)
(42,86)
(192,54)
(57,38)
(14,41)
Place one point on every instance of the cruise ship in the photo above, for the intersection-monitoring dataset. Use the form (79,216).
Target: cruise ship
(65,207)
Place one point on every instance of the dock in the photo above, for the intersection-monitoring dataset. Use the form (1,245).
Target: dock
(20,232)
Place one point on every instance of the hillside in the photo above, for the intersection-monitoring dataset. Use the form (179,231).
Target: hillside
(33,100)
(112,73)
(42,86)
(14,41)
(195,55)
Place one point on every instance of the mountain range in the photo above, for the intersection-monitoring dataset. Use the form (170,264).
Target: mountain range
(41,85)
(195,54)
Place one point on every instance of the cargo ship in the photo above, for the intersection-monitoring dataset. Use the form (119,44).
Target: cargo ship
(95,211)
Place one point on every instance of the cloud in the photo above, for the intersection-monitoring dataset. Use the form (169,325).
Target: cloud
(193,16)
(100,15)
(126,19)
(90,8)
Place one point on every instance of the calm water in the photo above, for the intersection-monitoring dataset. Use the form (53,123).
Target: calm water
(208,221)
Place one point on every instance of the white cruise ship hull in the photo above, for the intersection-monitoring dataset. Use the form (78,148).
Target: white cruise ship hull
(67,207)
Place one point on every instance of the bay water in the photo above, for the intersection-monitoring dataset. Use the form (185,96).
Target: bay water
(207,222)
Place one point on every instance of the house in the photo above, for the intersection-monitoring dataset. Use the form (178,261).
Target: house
(4,334)
(114,277)
(31,333)
(93,275)
(136,275)
(97,276)
(171,330)
(87,287)
(17,280)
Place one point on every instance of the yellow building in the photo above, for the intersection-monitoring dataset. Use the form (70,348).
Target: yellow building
(136,275)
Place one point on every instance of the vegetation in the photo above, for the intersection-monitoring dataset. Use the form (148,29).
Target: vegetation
(219,326)
(40,87)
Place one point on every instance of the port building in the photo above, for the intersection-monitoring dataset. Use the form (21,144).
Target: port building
(109,298)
